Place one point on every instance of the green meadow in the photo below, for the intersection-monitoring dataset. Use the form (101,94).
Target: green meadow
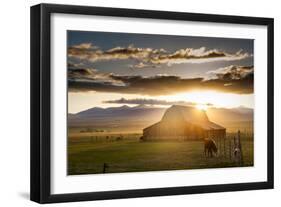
(103,152)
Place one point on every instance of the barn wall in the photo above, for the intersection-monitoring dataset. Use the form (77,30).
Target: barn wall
(178,130)
(173,131)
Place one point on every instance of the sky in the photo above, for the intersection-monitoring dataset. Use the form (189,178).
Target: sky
(113,69)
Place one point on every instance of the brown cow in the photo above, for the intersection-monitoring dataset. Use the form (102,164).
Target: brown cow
(210,147)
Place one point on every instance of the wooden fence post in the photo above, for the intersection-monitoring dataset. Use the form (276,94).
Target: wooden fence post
(230,149)
(219,146)
(105,166)
(217,143)
(224,152)
(240,148)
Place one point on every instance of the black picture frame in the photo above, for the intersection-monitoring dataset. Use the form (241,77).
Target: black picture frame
(41,95)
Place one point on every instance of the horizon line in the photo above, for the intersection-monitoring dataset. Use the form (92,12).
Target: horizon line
(155,106)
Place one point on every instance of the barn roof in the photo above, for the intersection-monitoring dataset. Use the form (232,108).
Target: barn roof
(191,115)
(210,125)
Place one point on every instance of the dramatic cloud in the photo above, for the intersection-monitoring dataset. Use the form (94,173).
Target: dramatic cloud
(225,81)
(201,55)
(143,65)
(116,53)
(149,57)
(233,72)
(82,74)
(84,46)
(151,102)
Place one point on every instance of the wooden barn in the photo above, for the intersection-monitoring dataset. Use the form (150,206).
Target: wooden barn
(183,123)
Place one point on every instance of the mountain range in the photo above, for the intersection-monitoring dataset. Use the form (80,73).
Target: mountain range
(141,116)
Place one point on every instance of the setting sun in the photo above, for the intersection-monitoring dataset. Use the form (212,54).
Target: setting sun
(203,107)
(212,98)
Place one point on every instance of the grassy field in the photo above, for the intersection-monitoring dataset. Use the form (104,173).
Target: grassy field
(87,153)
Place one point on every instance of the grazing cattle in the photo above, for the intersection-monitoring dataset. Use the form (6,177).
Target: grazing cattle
(210,147)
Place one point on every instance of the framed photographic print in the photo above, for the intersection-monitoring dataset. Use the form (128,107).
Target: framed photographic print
(133,103)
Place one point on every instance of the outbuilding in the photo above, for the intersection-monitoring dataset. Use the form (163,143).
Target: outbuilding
(184,123)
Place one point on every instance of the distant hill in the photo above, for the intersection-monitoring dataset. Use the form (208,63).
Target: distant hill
(222,115)
(233,119)
(121,118)
(141,116)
